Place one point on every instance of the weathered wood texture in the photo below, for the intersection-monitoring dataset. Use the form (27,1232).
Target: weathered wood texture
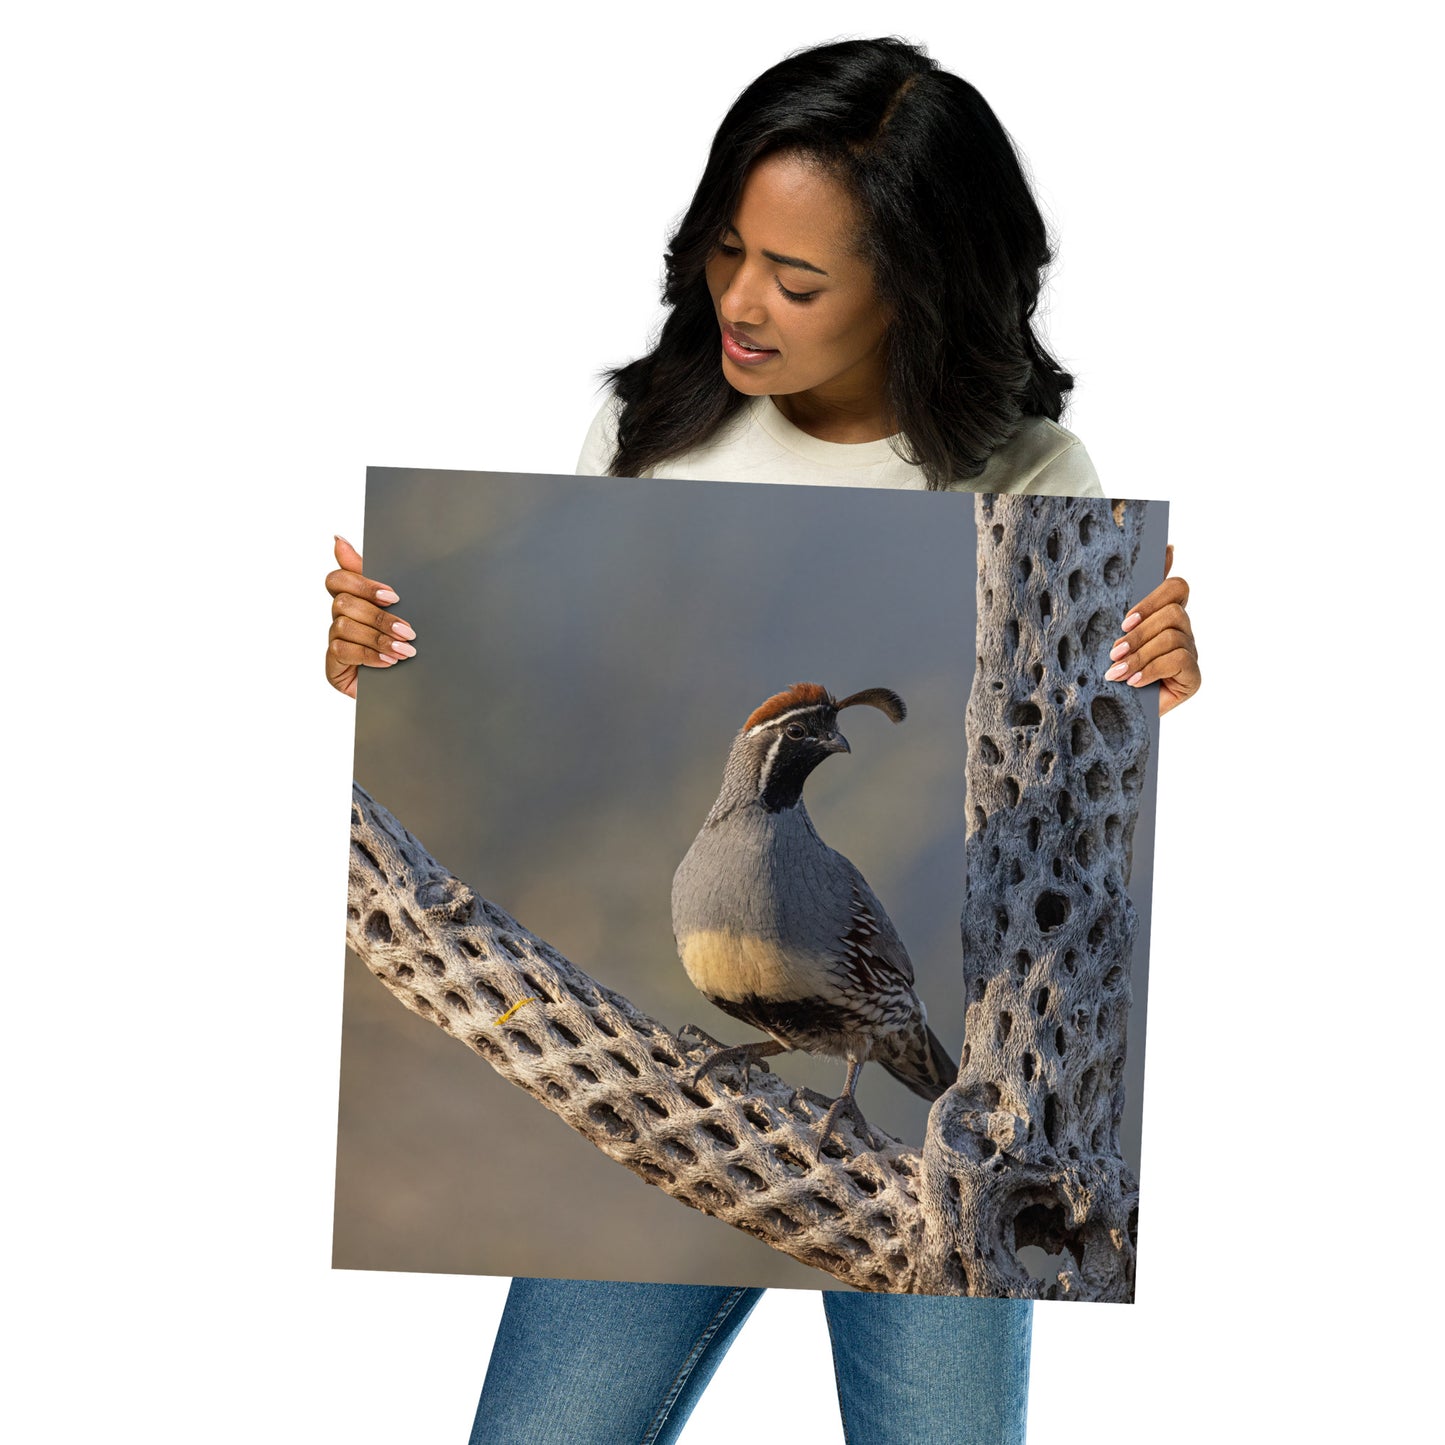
(1024,1149)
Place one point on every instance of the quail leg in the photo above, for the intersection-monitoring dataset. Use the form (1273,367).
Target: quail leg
(845,1100)
(748,1053)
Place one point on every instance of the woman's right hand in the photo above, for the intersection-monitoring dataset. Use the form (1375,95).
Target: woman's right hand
(363,633)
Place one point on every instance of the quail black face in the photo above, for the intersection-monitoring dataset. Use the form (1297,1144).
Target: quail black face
(794,747)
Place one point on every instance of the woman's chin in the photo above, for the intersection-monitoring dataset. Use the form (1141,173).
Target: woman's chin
(746,380)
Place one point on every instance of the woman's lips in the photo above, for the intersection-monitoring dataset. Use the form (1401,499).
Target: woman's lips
(740,348)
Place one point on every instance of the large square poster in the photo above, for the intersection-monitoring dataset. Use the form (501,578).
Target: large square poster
(702,802)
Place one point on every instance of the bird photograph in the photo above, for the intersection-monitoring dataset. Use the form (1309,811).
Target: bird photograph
(781,931)
(614,737)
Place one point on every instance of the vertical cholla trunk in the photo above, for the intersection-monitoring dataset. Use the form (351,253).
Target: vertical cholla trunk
(1024,1149)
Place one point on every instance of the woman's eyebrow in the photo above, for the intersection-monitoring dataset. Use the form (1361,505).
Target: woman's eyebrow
(795,261)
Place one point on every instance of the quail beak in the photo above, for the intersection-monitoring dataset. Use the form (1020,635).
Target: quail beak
(835,742)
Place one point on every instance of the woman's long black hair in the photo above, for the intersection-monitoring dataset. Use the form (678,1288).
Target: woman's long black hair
(950,228)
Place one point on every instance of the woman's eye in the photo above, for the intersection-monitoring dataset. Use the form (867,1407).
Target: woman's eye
(723,249)
(796,295)
(795,731)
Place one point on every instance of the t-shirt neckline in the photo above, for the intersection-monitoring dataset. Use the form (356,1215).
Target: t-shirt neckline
(831,454)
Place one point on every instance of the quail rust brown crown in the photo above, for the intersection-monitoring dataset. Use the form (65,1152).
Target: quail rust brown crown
(812,694)
(801,694)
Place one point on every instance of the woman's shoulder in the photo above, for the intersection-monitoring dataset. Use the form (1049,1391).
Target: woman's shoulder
(719,456)
(1043,459)
(600,444)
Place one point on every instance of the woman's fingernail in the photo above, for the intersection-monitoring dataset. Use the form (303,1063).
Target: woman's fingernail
(404,648)
(402,630)
(1132,620)
(1120,648)
(1116,672)
(386,595)
(1136,679)
(387,659)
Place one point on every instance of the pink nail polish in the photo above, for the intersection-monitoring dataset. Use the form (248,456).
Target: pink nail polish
(402,630)
(1120,648)
(387,660)
(404,649)
(1132,620)
(387,596)
(1136,679)
(1116,672)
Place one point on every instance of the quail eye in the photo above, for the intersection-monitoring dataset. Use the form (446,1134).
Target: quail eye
(795,730)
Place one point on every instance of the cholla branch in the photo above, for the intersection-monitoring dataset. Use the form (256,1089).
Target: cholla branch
(623,1080)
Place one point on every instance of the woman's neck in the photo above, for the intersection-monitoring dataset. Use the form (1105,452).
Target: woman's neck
(838,418)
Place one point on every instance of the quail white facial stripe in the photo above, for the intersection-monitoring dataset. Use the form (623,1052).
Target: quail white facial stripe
(783,717)
(768,765)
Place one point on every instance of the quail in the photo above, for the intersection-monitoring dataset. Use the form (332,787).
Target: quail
(780,931)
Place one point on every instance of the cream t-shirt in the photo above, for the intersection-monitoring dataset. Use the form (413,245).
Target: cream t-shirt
(759,444)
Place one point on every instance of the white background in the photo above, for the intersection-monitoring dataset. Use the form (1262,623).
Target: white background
(251,249)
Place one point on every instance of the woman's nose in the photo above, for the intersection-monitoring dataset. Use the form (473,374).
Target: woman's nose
(742,300)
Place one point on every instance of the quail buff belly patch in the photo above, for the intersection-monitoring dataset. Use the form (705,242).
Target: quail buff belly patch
(781,931)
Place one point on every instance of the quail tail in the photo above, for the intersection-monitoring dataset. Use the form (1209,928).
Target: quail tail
(916,1057)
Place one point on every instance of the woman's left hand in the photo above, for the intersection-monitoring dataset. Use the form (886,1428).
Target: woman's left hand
(1158,643)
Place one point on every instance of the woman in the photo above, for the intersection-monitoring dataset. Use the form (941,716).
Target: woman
(850,299)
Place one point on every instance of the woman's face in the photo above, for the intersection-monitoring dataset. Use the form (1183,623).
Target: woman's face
(795,304)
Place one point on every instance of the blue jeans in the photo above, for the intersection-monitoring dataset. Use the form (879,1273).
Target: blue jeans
(583,1363)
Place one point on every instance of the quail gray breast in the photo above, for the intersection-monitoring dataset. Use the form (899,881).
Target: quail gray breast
(781,931)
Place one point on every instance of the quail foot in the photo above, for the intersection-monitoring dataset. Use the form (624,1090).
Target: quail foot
(781,931)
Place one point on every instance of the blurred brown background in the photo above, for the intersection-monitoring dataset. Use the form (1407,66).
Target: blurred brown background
(587,649)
